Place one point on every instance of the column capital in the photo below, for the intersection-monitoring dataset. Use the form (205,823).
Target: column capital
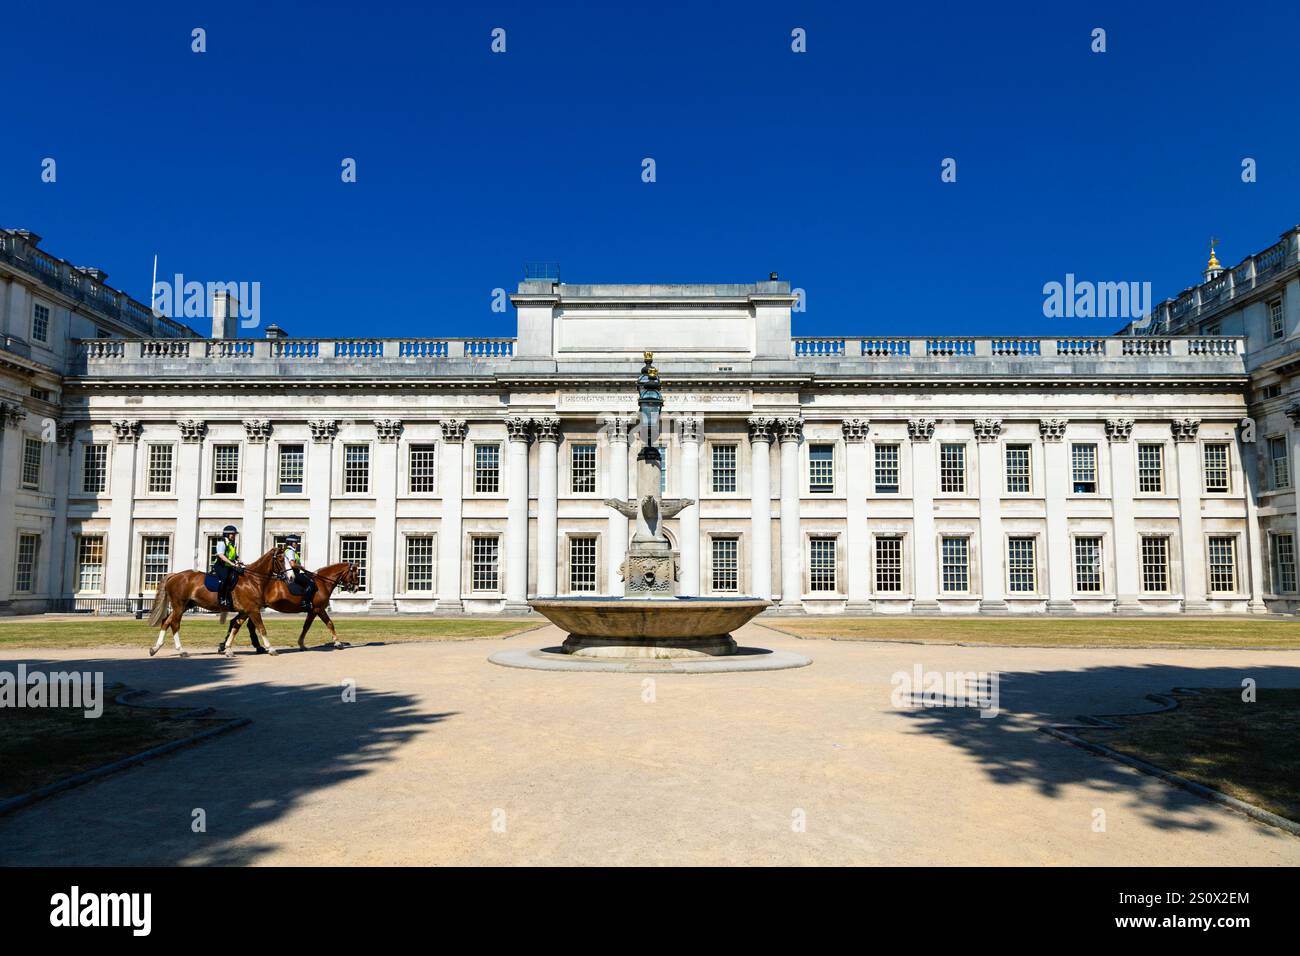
(1119,429)
(1185,429)
(323,430)
(389,430)
(453,430)
(760,428)
(617,427)
(791,429)
(987,430)
(547,429)
(193,430)
(13,415)
(1053,429)
(920,429)
(519,428)
(127,430)
(258,430)
(855,429)
(689,428)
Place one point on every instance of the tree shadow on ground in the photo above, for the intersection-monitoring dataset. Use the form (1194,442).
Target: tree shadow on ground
(304,739)
(1011,751)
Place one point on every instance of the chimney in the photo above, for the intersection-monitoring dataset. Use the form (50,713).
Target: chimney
(225,316)
(275,332)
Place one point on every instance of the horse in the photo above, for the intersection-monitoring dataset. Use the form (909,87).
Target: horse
(276,595)
(182,590)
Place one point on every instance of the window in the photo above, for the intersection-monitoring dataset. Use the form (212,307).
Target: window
(94,469)
(726,564)
(160,469)
(355,549)
(487,469)
(1284,578)
(1271,390)
(582,562)
(889,564)
(484,574)
(582,469)
(1216,467)
(1083,459)
(1213,328)
(887,469)
(1279,463)
(821,469)
(663,471)
(423,470)
(281,540)
(724,469)
(40,394)
(1087,565)
(1276,326)
(41,322)
(156,560)
(32,463)
(821,564)
(955,563)
(1022,569)
(292,459)
(356,469)
(1018,470)
(419,563)
(215,542)
(952,469)
(1223,565)
(29,547)
(1151,469)
(90,562)
(225,469)
(1155,564)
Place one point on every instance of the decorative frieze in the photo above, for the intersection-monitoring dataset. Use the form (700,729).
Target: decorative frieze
(389,430)
(193,430)
(1053,429)
(127,431)
(760,429)
(454,429)
(855,429)
(258,431)
(323,430)
(920,429)
(1119,429)
(690,428)
(547,428)
(987,429)
(790,429)
(1185,429)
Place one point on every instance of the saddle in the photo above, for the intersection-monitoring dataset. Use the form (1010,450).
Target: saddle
(296,589)
(211,582)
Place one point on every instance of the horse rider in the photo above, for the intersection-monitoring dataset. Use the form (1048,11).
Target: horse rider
(296,572)
(226,565)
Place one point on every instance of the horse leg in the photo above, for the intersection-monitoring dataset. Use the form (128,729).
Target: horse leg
(256,621)
(324,616)
(173,624)
(302,638)
(227,646)
(157,645)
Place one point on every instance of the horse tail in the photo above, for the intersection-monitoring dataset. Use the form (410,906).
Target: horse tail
(161,606)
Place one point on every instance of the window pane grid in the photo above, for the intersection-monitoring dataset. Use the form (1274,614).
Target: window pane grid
(29,546)
(160,469)
(582,563)
(1216,468)
(487,469)
(726,564)
(1084,464)
(1151,469)
(582,469)
(291,469)
(1087,565)
(156,559)
(887,469)
(356,469)
(94,469)
(423,469)
(889,564)
(1275,324)
(952,469)
(90,562)
(419,563)
(1284,562)
(821,469)
(40,323)
(1223,565)
(821,564)
(32,463)
(484,574)
(724,469)
(955,558)
(1280,460)
(1018,469)
(225,469)
(1022,572)
(1155,564)
(356,550)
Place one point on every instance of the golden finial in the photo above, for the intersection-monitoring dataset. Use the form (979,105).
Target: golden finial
(1214,259)
(649,357)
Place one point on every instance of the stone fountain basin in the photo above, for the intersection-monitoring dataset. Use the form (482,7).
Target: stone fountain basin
(649,627)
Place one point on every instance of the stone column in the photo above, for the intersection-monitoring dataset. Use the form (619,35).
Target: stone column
(1293,453)
(59,527)
(1189,513)
(117,570)
(689,430)
(547,431)
(258,432)
(791,433)
(519,431)
(857,539)
(760,525)
(616,429)
(12,418)
(451,484)
(1128,573)
(383,540)
(992,578)
(1256,545)
(925,554)
(1056,479)
(189,554)
(320,475)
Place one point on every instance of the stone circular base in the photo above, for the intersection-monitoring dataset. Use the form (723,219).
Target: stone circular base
(584,645)
(744,659)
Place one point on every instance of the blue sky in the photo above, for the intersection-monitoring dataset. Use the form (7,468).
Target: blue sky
(822,166)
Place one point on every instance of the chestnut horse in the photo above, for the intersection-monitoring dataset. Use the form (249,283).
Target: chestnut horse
(276,595)
(182,590)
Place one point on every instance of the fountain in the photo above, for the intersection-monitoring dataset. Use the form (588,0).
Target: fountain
(651,620)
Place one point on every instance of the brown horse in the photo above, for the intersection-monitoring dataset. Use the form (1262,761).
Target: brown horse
(182,590)
(276,595)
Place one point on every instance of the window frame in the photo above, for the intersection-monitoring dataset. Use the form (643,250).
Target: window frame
(32,564)
(965,568)
(823,541)
(729,474)
(146,538)
(1276,320)
(1226,468)
(36,463)
(430,474)
(1166,543)
(884,488)
(1282,442)
(822,489)
(588,474)
(1075,460)
(345,538)
(1028,476)
(44,337)
(474,540)
(356,472)
(573,542)
(1075,566)
(217,449)
(716,568)
(105,467)
(963,473)
(483,471)
(1160,468)
(1034,577)
(282,450)
(1279,580)
(152,448)
(1233,565)
(898,540)
(421,538)
(79,563)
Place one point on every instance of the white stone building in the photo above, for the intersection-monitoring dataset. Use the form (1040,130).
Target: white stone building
(1147,472)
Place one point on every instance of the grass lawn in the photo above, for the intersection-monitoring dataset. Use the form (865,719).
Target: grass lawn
(203,632)
(39,746)
(1233,632)
(1247,751)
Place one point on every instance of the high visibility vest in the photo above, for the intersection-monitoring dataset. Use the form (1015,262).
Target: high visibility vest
(290,556)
